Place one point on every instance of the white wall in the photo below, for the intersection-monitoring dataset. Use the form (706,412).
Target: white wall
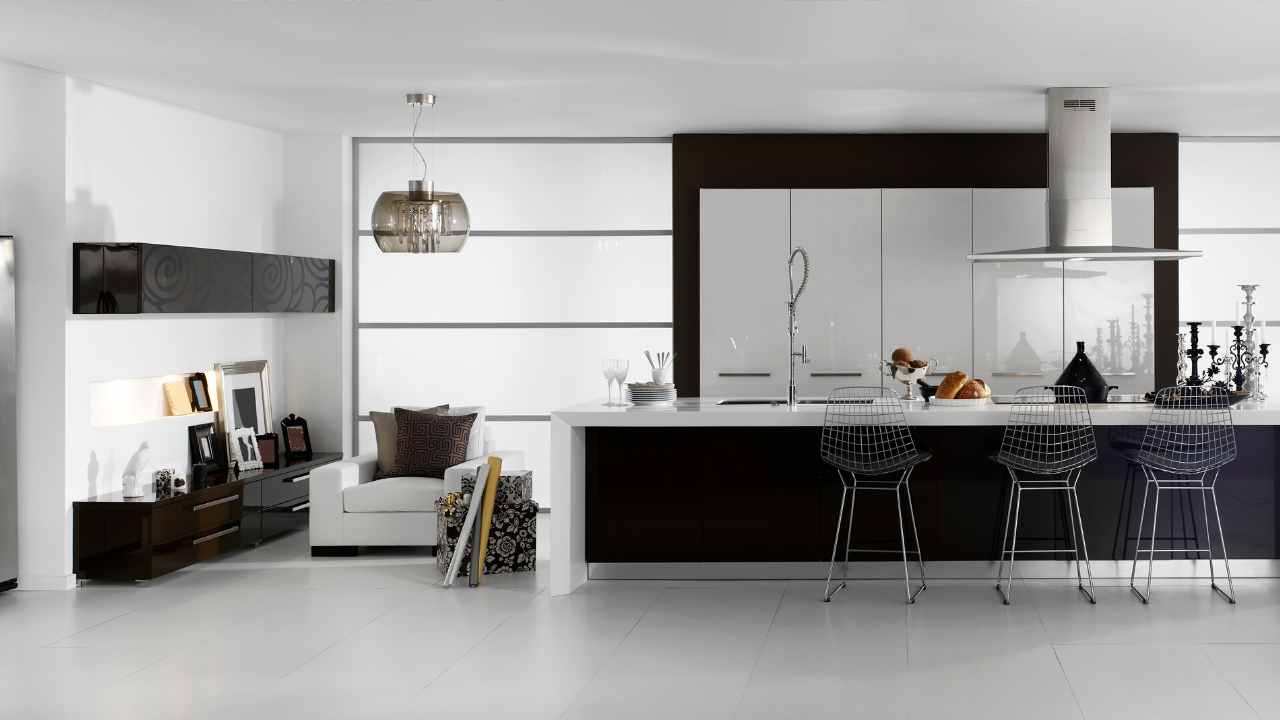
(317,382)
(143,171)
(32,172)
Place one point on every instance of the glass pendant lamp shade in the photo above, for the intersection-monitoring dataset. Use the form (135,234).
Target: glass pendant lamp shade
(420,219)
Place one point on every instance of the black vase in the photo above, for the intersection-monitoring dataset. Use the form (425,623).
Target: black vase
(1081,373)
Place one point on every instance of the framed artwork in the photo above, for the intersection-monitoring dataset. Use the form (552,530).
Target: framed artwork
(297,439)
(198,385)
(244,450)
(244,398)
(269,450)
(200,438)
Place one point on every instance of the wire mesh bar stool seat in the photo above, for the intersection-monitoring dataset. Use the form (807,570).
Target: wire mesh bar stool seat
(1189,438)
(1049,435)
(865,438)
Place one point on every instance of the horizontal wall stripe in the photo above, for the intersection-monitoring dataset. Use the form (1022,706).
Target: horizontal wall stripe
(532,140)
(1228,138)
(556,233)
(499,417)
(1230,231)
(509,325)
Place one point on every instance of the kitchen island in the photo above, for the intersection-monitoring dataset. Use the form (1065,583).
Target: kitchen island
(711,490)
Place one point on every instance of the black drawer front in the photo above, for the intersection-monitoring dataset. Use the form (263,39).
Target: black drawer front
(277,491)
(211,544)
(250,528)
(217,513)
(285,518)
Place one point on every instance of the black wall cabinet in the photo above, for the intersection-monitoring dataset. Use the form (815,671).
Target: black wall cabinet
(142,278)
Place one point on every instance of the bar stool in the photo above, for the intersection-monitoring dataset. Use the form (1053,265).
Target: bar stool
(1049,435)
(865,437)
(1189,438)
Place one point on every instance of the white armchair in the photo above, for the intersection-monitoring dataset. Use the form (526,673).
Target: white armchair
(349,509)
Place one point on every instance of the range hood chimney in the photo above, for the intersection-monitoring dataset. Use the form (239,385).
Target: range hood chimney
(1079,183)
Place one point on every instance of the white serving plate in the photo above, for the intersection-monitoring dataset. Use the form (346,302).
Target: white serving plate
(967,403)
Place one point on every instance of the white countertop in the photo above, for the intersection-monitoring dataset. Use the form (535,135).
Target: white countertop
(706,412)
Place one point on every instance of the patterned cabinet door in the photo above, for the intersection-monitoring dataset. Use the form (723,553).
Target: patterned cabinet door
(195,280)
(283,283)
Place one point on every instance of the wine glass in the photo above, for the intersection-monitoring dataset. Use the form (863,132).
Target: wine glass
(621,368)
(607,367)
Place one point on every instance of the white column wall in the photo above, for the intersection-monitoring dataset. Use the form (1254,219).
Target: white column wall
(32,172)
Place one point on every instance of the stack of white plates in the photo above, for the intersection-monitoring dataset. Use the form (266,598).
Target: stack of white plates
(652,393)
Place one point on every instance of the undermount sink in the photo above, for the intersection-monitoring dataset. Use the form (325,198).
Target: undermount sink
(748,401)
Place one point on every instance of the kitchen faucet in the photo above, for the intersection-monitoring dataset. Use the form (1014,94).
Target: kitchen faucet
(795,292)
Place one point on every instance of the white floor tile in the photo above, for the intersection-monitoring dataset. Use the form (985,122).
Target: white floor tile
(272,633)
(1131,681)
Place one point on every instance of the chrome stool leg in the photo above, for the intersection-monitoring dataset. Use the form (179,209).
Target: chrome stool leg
(1154,487)
(902,538)
(1004,532)
(1137,544)
(915,533)
(1222,540)
(1073,496)
(835,546)
(1015,499)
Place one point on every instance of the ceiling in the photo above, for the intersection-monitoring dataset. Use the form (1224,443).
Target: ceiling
(657,67)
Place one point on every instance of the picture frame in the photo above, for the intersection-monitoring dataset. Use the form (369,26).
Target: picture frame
(269,450)
(203,445)
(296,438)
(198,387)
(243,390)
(244,450)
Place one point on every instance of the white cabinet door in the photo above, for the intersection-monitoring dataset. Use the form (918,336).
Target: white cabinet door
(1017,307)
(927,280)
(839,314)
(743,292)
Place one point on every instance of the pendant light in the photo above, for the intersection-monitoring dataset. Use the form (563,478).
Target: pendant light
(421,219)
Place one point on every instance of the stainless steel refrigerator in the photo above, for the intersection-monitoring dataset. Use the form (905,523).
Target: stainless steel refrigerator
(8,418)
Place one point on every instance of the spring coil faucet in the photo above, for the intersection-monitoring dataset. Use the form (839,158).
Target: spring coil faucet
(795,293)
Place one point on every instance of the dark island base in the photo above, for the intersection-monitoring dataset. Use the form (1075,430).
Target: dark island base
(763,495)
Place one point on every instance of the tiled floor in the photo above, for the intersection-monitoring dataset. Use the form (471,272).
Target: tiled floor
(272,633)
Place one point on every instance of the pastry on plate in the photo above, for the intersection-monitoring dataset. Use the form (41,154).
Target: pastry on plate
(951,385)
(975,389)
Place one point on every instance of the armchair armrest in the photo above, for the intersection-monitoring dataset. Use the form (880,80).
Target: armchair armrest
(327,484)
(511,460)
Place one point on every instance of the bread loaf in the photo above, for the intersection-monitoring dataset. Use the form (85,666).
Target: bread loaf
(951,385)
(902,356)
(975,389)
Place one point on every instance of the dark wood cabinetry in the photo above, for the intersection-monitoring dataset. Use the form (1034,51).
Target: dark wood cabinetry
(276,501)
(118,538)
(145,278)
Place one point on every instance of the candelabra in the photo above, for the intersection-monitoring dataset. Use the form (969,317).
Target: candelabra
(1193,354)
(1182,359)
(1257,357)
(1240,366)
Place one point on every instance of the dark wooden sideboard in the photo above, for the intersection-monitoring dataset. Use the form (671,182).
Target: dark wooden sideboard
(118,538)
(132,278)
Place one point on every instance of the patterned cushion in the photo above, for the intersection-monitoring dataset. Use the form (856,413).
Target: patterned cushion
(427,443)
(384,434)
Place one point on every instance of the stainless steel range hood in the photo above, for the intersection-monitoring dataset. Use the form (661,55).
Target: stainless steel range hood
(1079,186)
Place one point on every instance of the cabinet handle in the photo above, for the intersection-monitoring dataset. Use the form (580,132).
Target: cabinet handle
(215,503)
(820,373)
(300,478)
(215,536)
(300,506)
(744,374)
